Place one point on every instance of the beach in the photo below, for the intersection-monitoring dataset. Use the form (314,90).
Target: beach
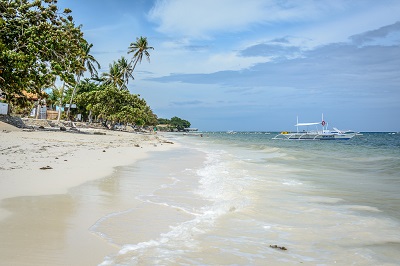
(38,168)
(210,199)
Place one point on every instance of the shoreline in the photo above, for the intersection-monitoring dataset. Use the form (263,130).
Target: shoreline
(195,201)
(42,162)
(42,222)
(50,162)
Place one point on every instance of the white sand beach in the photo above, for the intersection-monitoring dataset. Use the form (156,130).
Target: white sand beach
(72,158)
(37,169)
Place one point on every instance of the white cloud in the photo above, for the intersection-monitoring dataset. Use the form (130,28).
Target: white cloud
(359,16)
(231,61)
(200,19)
(183,57)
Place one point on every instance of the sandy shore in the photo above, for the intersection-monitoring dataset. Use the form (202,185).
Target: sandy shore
(50,162)
(37,169)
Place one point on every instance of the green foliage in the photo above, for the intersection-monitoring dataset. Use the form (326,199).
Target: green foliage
(174,123)
(179,123)
(53,97)
(125,69)
(139,48)
(38,43)
(83,87)
(117,106)
(115,76)
(88,60)
(163,121)
(20,105)
(87,85)
(119,74)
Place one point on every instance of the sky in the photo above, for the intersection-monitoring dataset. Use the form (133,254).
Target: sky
(256,65)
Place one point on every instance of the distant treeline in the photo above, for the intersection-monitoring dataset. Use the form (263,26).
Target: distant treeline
(173,124)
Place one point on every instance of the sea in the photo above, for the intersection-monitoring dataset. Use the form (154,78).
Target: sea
(242,198)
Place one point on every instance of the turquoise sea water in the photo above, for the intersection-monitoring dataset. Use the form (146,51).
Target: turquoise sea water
(228,199)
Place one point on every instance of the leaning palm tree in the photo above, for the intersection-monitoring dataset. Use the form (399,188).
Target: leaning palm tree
(126,69)
(89,63)
(114,76)
(139,48)
(97,78)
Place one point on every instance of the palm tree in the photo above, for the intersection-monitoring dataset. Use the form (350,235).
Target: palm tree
(114,76)
(97,78)
(139,48)
(126,69)
(88,61)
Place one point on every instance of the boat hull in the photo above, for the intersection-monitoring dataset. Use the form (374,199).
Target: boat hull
(314,136)
(324,134)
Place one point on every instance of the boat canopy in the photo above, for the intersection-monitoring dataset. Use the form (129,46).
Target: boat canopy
(306,124)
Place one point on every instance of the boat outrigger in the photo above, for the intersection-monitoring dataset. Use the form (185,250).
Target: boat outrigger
(324,134)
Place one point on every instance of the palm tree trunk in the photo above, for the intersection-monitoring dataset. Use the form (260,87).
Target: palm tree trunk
(72,96)
(60,103)
(37,110)
(134,65)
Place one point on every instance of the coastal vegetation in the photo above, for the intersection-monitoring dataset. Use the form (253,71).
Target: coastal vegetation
(43,57)
(113,105)
(38,44)
(173,124)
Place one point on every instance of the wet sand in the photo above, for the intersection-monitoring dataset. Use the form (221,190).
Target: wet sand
(45,219)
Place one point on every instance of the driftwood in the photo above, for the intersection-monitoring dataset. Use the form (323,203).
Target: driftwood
(278,247)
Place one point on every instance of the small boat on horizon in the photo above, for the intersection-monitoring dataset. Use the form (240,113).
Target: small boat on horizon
(317,134)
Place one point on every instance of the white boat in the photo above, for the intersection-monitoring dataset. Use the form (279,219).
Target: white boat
(321,132)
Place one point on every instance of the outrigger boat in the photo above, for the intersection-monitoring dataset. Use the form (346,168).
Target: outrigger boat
(324,134)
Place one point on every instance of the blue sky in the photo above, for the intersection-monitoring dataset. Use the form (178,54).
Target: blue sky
(257,64)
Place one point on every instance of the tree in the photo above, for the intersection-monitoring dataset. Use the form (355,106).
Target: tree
(173,123)
(119,74)
(163,121)
(114,105)
(53,97)
(126,70)
(85,86)
(114,76)
(38,43)
(89,63)
(139,48)
(179,123)
(88,60)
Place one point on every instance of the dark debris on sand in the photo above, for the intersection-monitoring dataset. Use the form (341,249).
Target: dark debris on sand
(278,247)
